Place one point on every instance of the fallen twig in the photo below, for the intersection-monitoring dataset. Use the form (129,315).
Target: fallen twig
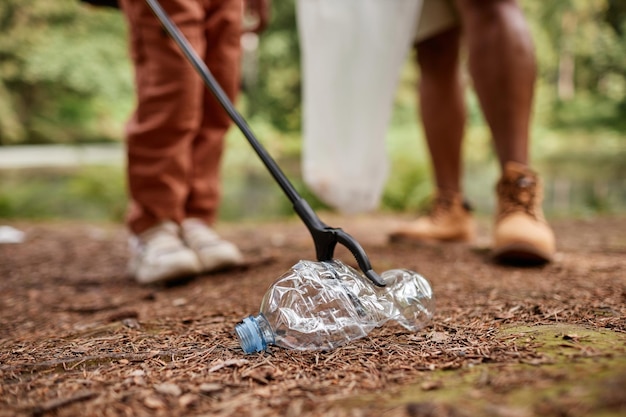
(62,402)
(72,362)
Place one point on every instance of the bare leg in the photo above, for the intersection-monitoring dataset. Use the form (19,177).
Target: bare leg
(442,106)
(442,111)
(503,69)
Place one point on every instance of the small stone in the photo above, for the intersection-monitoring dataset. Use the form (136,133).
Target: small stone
(154,403)
(187,400)
(209,387)
(179,302)
(168,388)
(438,337)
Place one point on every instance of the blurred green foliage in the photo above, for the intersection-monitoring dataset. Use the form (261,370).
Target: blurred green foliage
(275,96)
(64,73)
(65,77)
(89,193)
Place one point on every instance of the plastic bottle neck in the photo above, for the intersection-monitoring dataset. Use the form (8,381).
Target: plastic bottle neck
(255,334)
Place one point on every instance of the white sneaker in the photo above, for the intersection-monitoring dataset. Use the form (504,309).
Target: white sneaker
(214,252)
(159,255)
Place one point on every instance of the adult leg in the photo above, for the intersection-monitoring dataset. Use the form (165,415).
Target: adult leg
(159,138)
(167,117)
(442,111)
(503,70)
(442,107)
(222,29)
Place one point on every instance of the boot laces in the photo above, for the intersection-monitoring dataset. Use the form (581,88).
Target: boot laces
(443,204)
(518,194)
(162,239)
(199,235)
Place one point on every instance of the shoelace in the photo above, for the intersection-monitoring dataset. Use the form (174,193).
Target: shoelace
(443,204)
(162,240)
(201,236)
(518,194)
(440,206)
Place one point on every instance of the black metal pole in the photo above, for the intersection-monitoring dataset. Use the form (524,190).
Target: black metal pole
(324,237)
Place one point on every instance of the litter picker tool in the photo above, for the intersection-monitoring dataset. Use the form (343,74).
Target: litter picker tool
(324,237)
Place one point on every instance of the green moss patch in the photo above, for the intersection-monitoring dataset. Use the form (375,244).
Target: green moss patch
(561,370)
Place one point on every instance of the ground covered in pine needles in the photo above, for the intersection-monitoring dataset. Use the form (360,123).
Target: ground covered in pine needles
(79,338)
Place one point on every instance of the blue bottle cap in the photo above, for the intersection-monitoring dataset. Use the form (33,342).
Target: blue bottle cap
(249,335)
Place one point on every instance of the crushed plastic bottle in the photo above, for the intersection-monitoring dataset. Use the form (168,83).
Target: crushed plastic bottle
(323,305)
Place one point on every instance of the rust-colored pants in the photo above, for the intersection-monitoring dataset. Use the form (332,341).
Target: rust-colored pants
(175,136)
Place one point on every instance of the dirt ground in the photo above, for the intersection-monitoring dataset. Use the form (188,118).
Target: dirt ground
(79,338)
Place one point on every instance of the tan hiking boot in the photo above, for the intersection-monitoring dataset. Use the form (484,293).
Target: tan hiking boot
(450,220)
(521,233)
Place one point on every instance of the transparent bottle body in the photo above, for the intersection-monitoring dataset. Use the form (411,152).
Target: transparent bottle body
(323,305)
